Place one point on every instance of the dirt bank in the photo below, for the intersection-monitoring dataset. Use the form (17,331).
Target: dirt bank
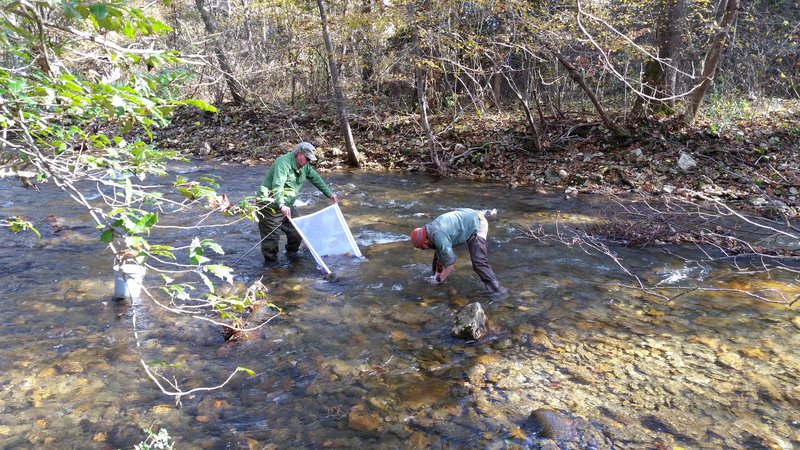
(754,164)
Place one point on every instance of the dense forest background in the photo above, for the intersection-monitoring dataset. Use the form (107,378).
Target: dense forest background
(538,74)
(474,56)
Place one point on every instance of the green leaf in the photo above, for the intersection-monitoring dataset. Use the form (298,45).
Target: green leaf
(196,252)
(17,224)
(69,11)
(144,223)
(221,271)
(207,281)
(200,104)
(246,370)
(99,11)
(17,85)
(128,31)
(178,291)
(118,102)
(136,242)
(107,236)
(73,87)
(186,193)
(162,250)
(213,246)
(198,258)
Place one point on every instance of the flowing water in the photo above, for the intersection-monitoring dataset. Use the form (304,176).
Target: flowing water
(364,358)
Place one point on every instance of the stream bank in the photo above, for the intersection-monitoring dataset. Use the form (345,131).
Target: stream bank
(753,164)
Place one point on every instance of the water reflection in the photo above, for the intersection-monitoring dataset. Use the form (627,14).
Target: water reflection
(364,358)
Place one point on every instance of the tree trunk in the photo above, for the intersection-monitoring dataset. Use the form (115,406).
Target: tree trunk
(673,44)
(578,78)
(659,78)
(248,28)
(718,44)
(533,87)
(222,59)
(421,95)
(354,158)
(652,86)
(496,80)
(534,127)
(368,52)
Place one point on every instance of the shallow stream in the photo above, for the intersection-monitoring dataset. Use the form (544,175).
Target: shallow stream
(364,358)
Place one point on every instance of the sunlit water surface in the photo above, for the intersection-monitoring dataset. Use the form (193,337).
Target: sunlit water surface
(364,358)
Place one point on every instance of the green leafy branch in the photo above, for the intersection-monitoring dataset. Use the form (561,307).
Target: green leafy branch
(17,224)
(72,107)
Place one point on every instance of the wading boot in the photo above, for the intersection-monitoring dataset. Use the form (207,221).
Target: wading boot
(496,290)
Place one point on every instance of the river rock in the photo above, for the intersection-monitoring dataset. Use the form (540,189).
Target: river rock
(540,340)
(635,155)
(476,374)
(754,353)
(160,410)
(413,318)
(678,423)
(470,323)
(686,162)
(121,436)
(705,340)
(71,366)
(730,359)
(551,176)
(421,440)
(548,423)
(793,395)
(766,386)
(360,419)
(46,373)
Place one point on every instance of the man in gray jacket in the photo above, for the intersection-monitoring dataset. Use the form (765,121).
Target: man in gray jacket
(455,228)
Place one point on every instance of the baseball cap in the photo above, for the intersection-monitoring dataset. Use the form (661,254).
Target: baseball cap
(307,150)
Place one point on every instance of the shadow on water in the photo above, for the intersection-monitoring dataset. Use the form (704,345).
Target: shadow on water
(364,357)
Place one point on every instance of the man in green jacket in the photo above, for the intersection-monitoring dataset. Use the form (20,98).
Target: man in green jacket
(282,184)
(455,228)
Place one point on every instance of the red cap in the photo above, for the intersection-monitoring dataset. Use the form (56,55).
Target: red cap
(419,237)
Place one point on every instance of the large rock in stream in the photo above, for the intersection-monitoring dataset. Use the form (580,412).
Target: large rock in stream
(470,323)
(559,430)
(552,424)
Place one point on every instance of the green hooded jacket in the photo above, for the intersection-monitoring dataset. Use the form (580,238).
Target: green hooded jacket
(285,178)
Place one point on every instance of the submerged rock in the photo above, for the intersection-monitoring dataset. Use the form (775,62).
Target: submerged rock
(470,323)
(548,423)
(360,419)
(409,317)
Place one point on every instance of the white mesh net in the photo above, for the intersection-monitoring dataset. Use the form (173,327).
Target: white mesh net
(326,233)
